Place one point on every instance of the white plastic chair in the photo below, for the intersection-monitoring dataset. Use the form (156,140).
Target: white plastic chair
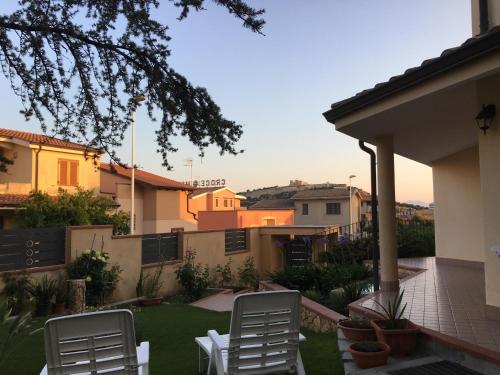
(94,343)
(263,338)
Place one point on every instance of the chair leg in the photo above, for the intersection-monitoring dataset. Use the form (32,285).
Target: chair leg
(300,365)
(145,369)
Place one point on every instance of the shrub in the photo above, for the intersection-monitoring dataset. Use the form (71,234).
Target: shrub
(350,292)
(80,208)
(10,328)
(100,282)
(43,292)
(149,285)
(225,271)
(248,275)
(322,278)
(192,277)
(16,292)
(416,239)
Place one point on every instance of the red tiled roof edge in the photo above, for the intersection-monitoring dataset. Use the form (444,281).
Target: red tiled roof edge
(37,138)
(146,177)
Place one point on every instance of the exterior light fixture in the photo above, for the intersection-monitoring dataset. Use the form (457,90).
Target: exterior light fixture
(485,117)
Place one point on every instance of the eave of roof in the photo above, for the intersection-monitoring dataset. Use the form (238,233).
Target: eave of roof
(472,49)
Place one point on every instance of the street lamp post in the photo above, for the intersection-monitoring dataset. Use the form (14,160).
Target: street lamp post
(136,100)
(350,202)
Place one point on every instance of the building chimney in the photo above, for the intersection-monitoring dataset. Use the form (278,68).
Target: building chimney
(484,21)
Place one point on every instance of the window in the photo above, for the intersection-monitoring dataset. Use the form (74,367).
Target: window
(231,202)
(333,208)
(216,202)
(175,230)
(305,209)
(67,172)
(225,202)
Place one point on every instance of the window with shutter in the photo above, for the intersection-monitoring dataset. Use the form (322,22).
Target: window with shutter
(67,172)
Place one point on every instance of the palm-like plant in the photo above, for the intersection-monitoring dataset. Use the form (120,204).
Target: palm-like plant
(9,328)
(393,312)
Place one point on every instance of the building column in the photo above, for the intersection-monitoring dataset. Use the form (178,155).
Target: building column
(489,161)
(389,280)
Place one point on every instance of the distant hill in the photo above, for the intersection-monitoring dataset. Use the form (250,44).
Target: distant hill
(417,204)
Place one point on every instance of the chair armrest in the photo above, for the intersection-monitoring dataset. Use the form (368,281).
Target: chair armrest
(217,340)
(44,371)
(143,353)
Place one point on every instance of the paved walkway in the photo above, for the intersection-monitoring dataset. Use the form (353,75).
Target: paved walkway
(447,299)
(222,301)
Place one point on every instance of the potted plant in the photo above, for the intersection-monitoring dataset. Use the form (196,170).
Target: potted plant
(148,287)
(43,292)
(60,297)
(400,334)
(357,330)
(368,354)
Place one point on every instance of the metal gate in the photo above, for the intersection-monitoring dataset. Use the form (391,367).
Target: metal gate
(27,248)
(298,252)
(159,247)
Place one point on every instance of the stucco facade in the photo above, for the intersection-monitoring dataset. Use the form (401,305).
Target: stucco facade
(211,220)
(214,199)
(317,211)
(157,209)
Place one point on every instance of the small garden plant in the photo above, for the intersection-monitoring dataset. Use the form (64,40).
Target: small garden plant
(10,328)
(43,292)
(226,276)
(393,312)
(100,281)
(248,274)
(192,276)
(16,292)
(149,284)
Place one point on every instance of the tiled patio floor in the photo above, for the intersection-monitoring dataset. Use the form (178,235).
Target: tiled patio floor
(447,299)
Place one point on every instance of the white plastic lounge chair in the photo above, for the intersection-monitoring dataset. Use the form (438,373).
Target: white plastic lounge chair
(94,343)
(264,336)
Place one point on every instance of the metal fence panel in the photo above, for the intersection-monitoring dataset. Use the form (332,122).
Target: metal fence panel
(235,240)
(28,248)
(298,252)
(160,247)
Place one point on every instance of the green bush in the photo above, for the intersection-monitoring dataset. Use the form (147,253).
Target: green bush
(322,278)
(416,239)
(43,292)
(100,281)
(339,300)
(16,292)
(80,208)
(248,274)
(192,277)
(226,273)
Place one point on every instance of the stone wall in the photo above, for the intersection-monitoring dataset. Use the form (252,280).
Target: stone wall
(313,315)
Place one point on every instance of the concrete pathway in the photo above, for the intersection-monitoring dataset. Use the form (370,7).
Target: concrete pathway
(222,301)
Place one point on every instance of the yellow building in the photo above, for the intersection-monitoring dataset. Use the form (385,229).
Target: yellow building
(214,199)
(42,163)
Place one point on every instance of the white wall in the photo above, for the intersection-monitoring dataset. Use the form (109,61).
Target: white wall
(457,212)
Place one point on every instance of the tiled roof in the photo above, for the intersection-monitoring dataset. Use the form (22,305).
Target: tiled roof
(13,199)
(471,49)
(200,191)
(322,194)
(365,196)
(37,138)
(273,204)
(146,177)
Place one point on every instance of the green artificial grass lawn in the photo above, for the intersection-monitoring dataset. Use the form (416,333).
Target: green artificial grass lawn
(170,330)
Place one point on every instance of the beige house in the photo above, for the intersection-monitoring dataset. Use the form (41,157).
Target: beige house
(432,114)
(327,207)
(214,199)
(42,163)
(161,204)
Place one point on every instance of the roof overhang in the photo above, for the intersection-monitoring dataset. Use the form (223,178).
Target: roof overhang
(429,110)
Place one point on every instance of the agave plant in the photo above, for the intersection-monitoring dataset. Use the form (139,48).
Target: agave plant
(393,312)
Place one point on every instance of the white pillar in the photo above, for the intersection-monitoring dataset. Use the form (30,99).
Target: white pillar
(387,214)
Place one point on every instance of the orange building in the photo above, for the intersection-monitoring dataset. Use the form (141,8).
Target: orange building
(274,214)
(214,199)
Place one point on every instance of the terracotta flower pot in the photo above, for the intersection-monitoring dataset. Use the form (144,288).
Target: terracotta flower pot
(58,308)
(402,340)
(369,359)
(150,301)
(357,330)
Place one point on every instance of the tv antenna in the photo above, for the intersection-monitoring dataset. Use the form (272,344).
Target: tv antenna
(189,163)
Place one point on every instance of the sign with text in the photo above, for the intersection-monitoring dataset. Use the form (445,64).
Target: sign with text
(219,182)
